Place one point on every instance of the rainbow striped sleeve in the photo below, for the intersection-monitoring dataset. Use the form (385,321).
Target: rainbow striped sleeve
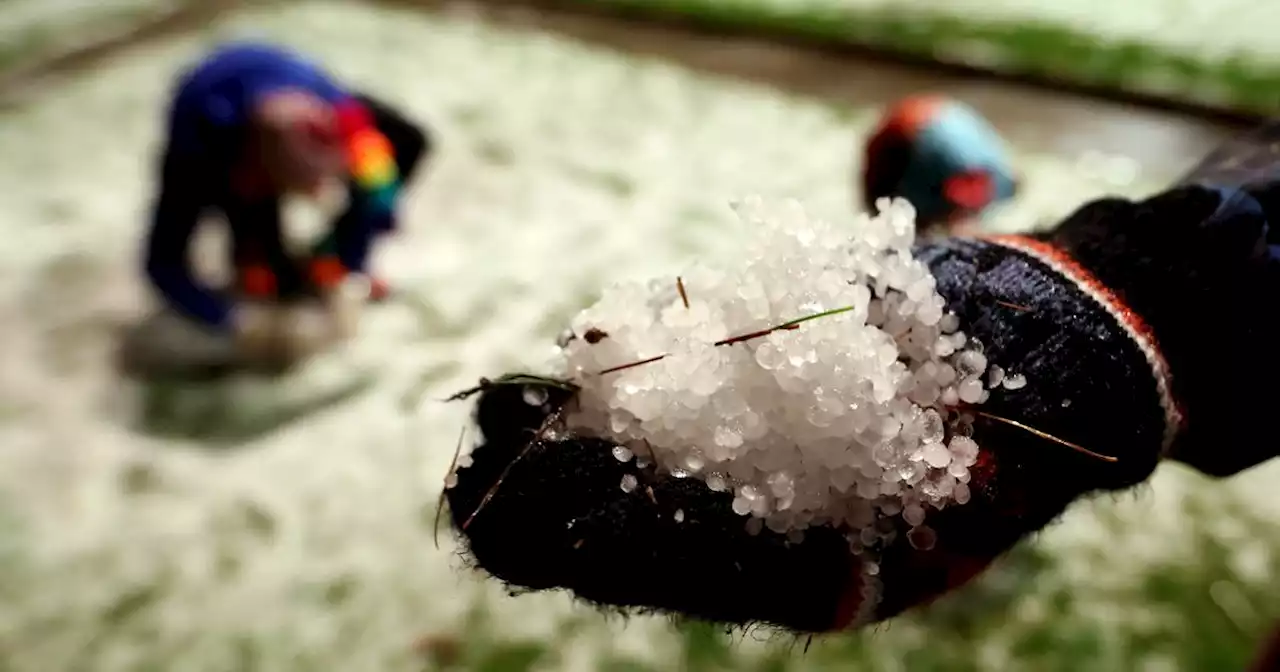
(370,157)
(372,165)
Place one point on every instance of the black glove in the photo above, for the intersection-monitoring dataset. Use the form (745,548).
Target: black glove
(1132,322)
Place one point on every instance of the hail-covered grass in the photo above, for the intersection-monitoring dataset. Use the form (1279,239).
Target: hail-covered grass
(1203,29)
(1213,53)
(198,529)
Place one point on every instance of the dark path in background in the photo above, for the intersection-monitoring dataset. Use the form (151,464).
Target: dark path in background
(1032,117)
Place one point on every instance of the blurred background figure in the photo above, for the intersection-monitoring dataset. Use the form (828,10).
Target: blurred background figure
(248,126)
(942,156)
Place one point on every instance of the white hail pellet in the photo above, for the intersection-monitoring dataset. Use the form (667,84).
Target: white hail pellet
(847,419)
(1016,381)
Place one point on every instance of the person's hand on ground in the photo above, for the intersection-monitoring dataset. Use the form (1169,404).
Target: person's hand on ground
(262,340)
(344,303)
(313,328)
(275,338)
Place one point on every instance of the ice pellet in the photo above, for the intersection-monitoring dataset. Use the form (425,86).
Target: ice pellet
(971,363)
(535,395)
(994,376)
(965,449)
(629,483)
(922,538)
(913,514)
(936,455)
(932,427)
(970,390)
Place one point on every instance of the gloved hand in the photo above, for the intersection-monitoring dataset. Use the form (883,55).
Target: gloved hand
(1098,316)
(546,510)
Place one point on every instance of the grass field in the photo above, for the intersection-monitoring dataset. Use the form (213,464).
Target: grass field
(1219,54)
(215,536)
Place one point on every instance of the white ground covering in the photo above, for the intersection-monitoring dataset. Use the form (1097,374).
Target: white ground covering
(560,168)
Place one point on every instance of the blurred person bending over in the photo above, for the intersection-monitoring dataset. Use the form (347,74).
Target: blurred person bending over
(249,125)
